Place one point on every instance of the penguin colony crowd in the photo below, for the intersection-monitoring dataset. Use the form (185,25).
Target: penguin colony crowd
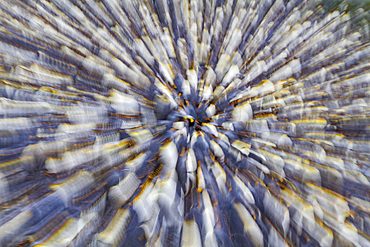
(184,123)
